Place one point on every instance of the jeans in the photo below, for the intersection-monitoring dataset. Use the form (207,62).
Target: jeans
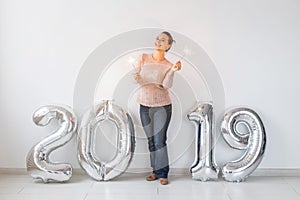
(155,121)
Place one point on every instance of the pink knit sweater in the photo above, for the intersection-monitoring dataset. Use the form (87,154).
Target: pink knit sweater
(155,77)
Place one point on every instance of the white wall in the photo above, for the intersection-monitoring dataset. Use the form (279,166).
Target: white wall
(253,44)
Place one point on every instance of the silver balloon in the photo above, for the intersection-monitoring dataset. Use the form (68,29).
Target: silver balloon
(253,140)
(98,170)
(204,168)
(38,164)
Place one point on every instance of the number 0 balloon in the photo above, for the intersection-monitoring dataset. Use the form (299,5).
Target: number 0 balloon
(103,171)
(254,141)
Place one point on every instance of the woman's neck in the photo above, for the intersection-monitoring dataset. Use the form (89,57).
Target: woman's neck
(159,55)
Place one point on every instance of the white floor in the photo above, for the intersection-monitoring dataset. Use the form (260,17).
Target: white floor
(134,186)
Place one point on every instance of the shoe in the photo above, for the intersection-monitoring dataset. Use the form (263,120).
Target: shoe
(163,181)
(152,177)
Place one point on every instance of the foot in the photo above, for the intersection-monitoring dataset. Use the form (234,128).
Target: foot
(163,181)
(152,177)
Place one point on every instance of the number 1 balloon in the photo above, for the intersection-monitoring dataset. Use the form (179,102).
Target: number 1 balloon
(254,141)
(38,163)
(203,168)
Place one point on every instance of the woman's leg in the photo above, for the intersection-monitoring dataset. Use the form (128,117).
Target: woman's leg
(161,121)
(146,119)
(155,121)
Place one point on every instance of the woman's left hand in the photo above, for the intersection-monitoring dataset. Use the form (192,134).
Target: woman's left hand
(177,66)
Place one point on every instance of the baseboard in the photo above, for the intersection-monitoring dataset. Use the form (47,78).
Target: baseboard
(16,171)
(257,172)
(276,172)
(173,171)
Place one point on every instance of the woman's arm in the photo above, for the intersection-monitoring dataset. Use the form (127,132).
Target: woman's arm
(137,70)
(168,80)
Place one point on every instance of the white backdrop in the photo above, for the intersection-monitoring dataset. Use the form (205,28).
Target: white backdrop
(254,46)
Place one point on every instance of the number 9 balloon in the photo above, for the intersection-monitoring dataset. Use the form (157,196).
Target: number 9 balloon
(38,164)
(254,141)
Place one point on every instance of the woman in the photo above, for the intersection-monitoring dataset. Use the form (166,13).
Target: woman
(155,75)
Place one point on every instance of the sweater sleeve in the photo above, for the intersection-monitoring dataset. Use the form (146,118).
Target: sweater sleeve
(137,69)
(168,79)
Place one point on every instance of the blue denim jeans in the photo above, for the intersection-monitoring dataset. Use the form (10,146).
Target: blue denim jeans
(155,121)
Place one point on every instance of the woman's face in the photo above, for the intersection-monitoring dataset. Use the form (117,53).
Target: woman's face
(162,42)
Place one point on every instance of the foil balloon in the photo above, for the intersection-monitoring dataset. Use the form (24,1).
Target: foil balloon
(204,168)
(253,140)
(100,170)
(38,164)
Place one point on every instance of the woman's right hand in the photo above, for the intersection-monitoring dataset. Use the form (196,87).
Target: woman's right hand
(137,77)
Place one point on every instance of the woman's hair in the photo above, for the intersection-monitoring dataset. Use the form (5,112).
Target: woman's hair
(170,41)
